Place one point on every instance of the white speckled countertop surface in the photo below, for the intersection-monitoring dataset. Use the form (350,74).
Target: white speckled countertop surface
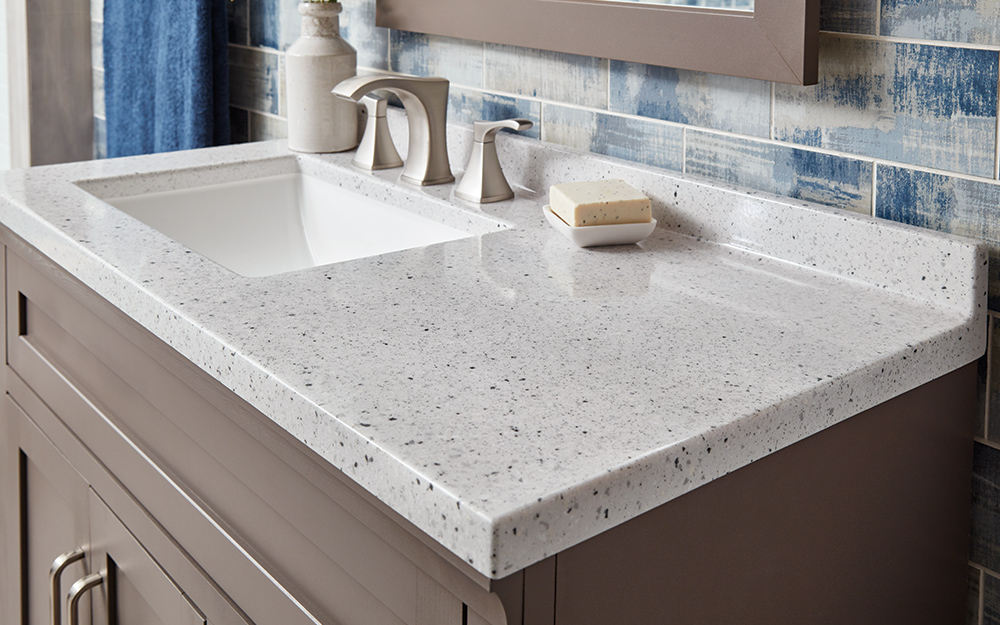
(513,395)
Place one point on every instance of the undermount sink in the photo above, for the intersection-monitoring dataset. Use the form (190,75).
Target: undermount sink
(262,226)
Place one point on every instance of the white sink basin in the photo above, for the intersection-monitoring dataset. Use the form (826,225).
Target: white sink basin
(279,223)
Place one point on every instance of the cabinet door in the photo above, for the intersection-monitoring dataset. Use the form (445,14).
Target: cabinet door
(135,590)
(46,516)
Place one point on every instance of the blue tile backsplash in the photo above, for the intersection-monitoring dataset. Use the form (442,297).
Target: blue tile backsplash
(738,105)
(928,105)
(902,125)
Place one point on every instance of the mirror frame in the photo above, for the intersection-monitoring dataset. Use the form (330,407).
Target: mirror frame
(777,41)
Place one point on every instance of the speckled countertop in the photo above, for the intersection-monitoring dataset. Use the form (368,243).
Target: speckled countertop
(513,395)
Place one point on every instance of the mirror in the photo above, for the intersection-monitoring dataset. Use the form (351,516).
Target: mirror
(763,39)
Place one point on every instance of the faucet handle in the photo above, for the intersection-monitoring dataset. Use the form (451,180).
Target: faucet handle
(484,181)
(485,132)
(376,150)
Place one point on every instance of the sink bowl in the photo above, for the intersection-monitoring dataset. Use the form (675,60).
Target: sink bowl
(262,226)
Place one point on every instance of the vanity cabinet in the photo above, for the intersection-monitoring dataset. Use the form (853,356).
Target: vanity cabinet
(115,430)
(72,542)
(201,509)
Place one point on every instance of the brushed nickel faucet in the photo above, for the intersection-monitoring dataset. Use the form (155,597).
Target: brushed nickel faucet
(426,104)
(484,181)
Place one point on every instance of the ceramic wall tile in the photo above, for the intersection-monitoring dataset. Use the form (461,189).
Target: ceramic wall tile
(253,79)
(265,128)
(458,60)
(783,169)
(713,101)
(972,597)
(630,138)
(273,24)
(947,203)
(962,21)
(849,16)
(97,10)
(238,18)
(991,600)
(357,26)
(555,76)
(470,105)
(919,104)
(985,547)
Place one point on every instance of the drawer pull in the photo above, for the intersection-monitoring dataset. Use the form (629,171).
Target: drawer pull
(55,573)
(77,591)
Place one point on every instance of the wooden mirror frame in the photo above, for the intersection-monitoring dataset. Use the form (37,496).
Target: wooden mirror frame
(777,41)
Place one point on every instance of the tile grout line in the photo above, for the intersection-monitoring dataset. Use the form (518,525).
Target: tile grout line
(878,18)
(984,441)
(911,41)
(986,570)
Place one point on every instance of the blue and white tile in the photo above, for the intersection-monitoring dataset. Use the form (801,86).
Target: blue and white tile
(833,180)
(926,105)
(630,138)
(357,26)
(985,549)
(471,105)
(458,60)
(253,79)
(273,24)
(714,101)
(946,203)
(565,78)
(849,16)
(961,21)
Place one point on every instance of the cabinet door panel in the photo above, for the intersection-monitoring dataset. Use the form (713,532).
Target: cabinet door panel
(52,506)
(136,590)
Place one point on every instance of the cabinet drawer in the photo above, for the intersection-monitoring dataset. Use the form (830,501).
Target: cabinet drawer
(276,541)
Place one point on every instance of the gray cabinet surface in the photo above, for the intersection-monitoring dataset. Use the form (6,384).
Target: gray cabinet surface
(63,521)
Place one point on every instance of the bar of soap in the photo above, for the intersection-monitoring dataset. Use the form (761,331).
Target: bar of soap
(599,203)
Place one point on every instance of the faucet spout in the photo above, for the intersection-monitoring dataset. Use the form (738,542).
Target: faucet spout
(426,104)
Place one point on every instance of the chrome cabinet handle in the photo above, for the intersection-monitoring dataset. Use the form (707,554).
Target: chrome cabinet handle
(76,591)
(55,573)
(484,181)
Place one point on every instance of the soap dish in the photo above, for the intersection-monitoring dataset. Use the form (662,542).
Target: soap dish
(593,236)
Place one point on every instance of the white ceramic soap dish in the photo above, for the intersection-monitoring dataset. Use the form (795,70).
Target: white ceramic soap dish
(593,236)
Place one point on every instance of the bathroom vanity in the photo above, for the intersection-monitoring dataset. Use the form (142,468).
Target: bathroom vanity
(761,414)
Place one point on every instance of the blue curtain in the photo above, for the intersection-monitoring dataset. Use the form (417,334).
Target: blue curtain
(166,76)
